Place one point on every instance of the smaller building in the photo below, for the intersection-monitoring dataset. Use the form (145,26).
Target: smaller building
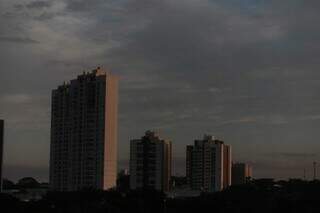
(241,173)
(123,181)
(150,162)
(208,165)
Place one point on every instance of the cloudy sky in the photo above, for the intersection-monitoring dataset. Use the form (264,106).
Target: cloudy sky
(246,71)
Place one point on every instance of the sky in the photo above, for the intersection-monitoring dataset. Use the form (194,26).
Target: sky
(245,71)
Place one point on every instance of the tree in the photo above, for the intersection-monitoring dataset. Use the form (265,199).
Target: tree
(28,182)
(8,184)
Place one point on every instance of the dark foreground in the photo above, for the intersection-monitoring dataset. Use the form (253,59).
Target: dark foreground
(260,196)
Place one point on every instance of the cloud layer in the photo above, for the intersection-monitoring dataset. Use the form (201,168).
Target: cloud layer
(245,71)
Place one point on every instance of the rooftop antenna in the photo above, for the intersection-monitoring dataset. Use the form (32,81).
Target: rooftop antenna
(314,170)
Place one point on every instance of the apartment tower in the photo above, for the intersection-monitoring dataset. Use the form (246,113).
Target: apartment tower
(208,165)
(150,162)
(84,125)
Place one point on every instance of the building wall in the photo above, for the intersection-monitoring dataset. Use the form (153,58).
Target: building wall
(160,159)
(189,151)
(167,165)
(59,147)
(240,173)
(197,179)
(227,169)
(133,164)
(111,136)
(249,171)
(219,166)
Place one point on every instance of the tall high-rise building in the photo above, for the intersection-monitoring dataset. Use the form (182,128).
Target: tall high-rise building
(241,173)
(208,165)
(84,125)
(1,150)
(150,162)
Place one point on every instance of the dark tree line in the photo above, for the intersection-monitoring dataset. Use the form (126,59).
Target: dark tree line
(261,196)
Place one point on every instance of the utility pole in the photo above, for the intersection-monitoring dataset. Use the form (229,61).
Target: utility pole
(314,170)
(304,174)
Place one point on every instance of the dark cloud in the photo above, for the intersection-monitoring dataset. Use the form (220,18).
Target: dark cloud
(38,4)
(45,16)
(86,6)
(18,6)
(20,40)
(293,155)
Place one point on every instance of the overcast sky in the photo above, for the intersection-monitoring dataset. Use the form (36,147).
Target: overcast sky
(245,71)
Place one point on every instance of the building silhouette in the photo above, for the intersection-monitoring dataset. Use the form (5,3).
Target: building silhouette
(150,162)
(83,151)
(241,173)
(123,181)
(208,165)
(1,150)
